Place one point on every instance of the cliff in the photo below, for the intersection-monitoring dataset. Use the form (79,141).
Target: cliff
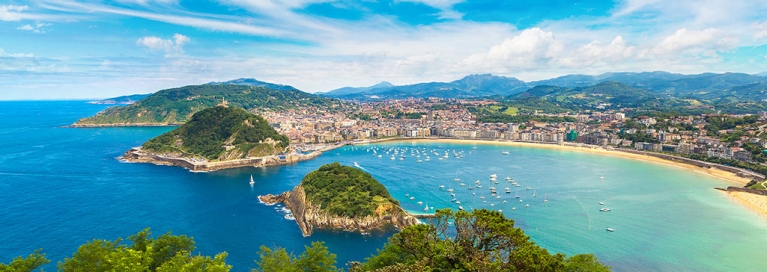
(309,216)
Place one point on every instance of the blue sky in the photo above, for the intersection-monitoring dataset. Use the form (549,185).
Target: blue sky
(57,49)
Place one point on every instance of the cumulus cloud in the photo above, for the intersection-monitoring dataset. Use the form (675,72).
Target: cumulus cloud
(11,12)
(710,39)
(26,27)
(170,46)
(530,48)
(15,55)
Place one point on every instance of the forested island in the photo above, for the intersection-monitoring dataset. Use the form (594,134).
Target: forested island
(217,138)
(341,197)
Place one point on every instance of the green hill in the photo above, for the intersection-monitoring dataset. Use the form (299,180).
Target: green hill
(176,106)
(220,133)
(346,191)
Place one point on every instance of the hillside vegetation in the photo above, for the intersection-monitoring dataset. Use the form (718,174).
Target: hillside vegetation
(209,130)
(345,191)
(177,105)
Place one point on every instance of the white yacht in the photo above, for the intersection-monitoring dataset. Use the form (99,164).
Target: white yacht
(252,181)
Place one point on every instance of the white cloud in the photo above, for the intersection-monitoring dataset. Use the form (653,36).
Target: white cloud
(532,47)
(11,13)
(37,28)
(15,55)
(760,30)
(170,46)
(683,40)
(26,27)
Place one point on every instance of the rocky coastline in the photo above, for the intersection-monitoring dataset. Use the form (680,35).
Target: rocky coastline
(309,216)
(198,165)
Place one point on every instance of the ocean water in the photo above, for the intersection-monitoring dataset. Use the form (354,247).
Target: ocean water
(61,187)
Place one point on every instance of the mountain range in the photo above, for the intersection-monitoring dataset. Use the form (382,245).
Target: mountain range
(730,86)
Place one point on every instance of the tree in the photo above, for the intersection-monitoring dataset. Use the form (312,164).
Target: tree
(30,263)
(164,253)
(481,240)
(316,258)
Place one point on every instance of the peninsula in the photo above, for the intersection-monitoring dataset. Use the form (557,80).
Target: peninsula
(218,138)
(341,197)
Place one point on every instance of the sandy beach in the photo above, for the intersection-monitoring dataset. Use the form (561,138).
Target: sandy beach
(754,202)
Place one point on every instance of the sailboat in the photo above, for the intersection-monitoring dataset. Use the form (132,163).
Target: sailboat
(426,208)
(252,181)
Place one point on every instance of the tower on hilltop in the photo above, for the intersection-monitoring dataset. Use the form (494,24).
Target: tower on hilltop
(223,102)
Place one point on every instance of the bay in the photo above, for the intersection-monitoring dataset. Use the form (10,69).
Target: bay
(61,187)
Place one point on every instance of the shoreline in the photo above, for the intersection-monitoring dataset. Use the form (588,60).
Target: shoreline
(714,172)
(135,155)
(78,125)
(753,202)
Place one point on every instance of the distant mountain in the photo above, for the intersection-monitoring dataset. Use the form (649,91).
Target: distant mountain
(707,85)
(255,83)
(360,90)
(175,106)
(120,100)
(469,86)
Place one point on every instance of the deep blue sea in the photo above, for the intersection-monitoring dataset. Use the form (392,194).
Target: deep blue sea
(61,187)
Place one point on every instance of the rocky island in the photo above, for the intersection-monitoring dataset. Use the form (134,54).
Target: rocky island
(218,138)
(341,197)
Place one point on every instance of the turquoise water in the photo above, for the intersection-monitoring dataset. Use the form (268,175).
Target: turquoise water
(60,187)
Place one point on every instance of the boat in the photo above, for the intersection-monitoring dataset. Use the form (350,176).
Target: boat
(493,176)
(402,159)
(508,178)
(454,200)
(520,201)
(601,203)
(481,197)
(252,181)
(477,182)
(516,184)
(426,208)
(457,179)
(470,188)
(498,197)
(528,188)
(412,198)
(527,205)
(458,202)
(508,191)
(479,186)
(491,204)
(460,208)
(442,186)
(516,195)
(604,209)
(545,198)
(513,208)
(420,202)
(602,177)
(290,216)
(609,229)
(533,193)
(419,161)
(505,152)
(450,190)
(462,184)
(380,156)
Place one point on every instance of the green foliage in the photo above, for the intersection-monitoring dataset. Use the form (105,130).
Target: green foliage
(481,240)
(344,190)
(28,264)
(210,129)
(177,105)
(164,253)
(316,258)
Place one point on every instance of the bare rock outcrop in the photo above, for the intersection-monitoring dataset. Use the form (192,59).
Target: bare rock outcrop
(309,216)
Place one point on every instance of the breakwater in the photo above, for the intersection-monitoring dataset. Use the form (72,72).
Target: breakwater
(197,165)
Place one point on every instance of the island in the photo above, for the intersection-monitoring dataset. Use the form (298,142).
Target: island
(341,197)
(218,138)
